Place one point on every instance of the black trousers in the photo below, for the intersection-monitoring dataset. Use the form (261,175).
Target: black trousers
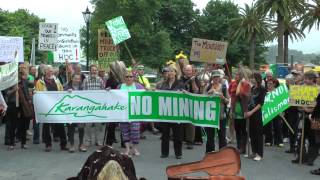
(210,146)
(11,125)
(198,135)
(273,131)
(71,130)
(292,115)
(111,134)
(177,130)
(22,129)
(256,133)
(241,134)
(59,128)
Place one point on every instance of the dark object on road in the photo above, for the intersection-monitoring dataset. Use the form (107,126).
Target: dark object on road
(222,165)
(100,160)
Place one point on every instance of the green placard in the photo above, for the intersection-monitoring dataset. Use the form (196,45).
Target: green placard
(275,103)
(118,30)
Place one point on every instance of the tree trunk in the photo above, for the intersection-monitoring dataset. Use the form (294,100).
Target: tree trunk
(286,48)
(252,51)
(280,21)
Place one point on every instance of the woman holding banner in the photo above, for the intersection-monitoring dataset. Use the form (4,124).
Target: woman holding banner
(216,88)
(171,84)
(254,114)
(130,130)
(75,84)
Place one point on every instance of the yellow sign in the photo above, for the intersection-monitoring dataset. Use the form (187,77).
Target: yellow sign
(303,95)
(204,50)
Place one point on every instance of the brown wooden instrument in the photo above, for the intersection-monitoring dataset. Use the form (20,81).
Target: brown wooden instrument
(222,165)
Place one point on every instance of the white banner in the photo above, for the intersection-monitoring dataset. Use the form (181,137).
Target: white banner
(126,106)
(8,75)
(8,47)
(48,36)
(68,47)
(81,106)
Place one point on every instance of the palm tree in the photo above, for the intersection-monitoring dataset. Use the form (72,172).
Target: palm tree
(281,9)
(312,17)
(292,31)
(250,25)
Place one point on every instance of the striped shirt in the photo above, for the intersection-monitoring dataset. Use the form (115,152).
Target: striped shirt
(92,83)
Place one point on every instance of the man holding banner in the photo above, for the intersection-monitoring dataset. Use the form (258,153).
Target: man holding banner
(50,83)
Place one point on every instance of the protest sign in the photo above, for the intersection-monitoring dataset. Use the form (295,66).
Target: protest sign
(118,30)
(124,106)
(304,96)
(48,36)
(8,75)
(68,47)
(105,45)
(9,46)
(275,103)
(204,50)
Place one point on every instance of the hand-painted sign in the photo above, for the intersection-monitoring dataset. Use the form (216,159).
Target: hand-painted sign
(8,48)
(118,30)
(68,47)
(204,50)
(48,36)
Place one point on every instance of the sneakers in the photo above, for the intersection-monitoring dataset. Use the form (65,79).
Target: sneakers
(281,145)
(23,146)
(48,148)
(178,157)
(267,144)
(163,156)
(71,149)
(257,158)
(286,140)
(82,148)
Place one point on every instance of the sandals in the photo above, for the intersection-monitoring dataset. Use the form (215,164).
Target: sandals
(315,172)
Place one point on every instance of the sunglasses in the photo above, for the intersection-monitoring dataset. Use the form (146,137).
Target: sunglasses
(129,76)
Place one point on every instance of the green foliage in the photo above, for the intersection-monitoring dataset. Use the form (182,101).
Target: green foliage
(160,29)
(24,24)
(312,16)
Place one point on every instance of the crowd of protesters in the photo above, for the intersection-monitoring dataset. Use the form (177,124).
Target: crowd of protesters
(241,111)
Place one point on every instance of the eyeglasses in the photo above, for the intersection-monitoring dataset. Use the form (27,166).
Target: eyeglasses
(129,76)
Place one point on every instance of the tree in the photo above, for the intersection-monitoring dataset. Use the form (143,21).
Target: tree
(281,9)
(292,31)
(250,26)
(312,16)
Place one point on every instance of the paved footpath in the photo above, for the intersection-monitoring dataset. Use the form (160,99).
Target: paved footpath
(35,164)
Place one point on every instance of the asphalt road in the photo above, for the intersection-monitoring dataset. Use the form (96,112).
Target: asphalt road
(35,164)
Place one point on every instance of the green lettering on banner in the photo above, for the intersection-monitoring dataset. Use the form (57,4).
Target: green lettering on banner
(275,103)
(174,107)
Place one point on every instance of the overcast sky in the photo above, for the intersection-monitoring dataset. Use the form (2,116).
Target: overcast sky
(68,13)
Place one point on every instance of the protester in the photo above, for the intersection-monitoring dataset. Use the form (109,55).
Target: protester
(93,82)
(309,134)
(191,84)
(141,78)
(62,76)
(75,85)
(254,114)
(32,74)
(273,130)
(25,109)
(315,116)
(239,90)
(130,131)
(111,83)
(77,70)
(11,117)
(216,88)
(50,83)
(171,84)
(102,75)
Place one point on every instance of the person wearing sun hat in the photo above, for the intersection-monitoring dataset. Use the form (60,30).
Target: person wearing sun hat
(141,78)
(216,88)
